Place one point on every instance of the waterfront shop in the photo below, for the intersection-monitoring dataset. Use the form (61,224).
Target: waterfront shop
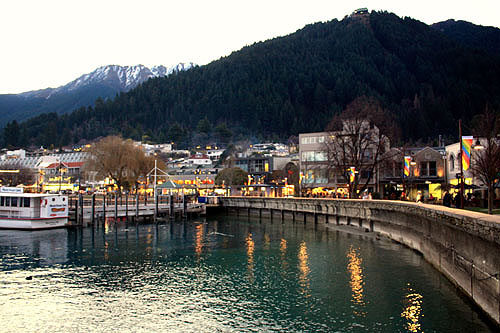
(412,173)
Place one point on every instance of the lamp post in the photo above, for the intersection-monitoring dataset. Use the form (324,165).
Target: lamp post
(461,165)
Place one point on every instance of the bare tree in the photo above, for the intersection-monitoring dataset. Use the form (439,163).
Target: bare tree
(111,157)
(486,162)
(359,137)
(139,166)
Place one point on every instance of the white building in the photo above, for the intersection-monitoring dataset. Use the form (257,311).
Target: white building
(453,161)
(14,154)
(215,154)
(199,159)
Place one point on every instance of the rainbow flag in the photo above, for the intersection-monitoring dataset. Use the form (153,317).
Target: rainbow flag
(407,166)
(466,149)
(352,174)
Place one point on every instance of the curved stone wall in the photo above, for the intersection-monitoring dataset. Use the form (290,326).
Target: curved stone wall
(463,245)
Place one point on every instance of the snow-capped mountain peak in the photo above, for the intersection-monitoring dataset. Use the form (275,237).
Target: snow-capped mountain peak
(119,78)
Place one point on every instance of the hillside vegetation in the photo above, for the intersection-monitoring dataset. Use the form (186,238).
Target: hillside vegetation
(297,83)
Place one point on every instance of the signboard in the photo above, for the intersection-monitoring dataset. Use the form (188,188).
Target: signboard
(5,189)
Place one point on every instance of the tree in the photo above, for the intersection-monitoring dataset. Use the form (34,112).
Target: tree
(485,164)
(139,166)
(204,126)
(231,176)
(11,134)
(223,133)
(112,157)
(359,137)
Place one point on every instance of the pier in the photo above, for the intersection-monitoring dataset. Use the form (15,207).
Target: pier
(89,210)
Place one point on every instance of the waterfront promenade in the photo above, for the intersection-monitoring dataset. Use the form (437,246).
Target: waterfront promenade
(463,245)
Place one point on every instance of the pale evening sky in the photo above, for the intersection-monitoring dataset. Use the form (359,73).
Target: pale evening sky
(50,43)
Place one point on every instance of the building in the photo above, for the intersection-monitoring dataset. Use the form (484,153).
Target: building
(325,158)
(54,172)
(427,173)
(14,154)
(199,159)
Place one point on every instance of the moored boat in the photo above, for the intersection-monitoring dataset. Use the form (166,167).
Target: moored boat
(32,211)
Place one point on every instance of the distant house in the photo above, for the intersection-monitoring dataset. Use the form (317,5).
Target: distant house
(199,159)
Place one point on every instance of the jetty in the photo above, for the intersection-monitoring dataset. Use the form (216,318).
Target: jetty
(90,209)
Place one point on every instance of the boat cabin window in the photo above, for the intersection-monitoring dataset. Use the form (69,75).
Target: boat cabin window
(2,201)
(7,201)
(26,202)
(13,201)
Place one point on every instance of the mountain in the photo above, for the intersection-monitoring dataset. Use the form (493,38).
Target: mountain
(471,35)
(296,84)
(104,82)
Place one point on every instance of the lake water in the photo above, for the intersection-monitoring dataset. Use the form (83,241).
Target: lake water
(219,275)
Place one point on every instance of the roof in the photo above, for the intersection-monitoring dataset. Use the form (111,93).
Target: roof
(199,157)
(66,164)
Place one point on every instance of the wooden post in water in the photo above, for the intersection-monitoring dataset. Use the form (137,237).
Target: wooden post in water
(104,209)
(156,207)
(126,206)
(80,199)
(76,212)
(116,207)
(136,207)
(172,206)
(184,205)
(92,217)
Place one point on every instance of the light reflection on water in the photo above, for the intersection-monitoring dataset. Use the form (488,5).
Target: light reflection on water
(412,310)
(356,282)
(220,275)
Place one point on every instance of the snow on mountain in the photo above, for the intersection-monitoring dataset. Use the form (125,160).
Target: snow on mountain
(119,78)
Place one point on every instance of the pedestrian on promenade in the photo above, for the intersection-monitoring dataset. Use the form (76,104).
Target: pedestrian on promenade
(447,199)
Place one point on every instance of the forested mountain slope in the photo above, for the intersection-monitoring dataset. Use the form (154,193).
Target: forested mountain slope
(295,84)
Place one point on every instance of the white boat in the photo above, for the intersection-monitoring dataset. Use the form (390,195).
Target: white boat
(32,211)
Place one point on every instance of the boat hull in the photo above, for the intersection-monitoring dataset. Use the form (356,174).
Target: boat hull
(33,224)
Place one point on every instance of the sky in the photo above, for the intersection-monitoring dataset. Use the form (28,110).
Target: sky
(52,42)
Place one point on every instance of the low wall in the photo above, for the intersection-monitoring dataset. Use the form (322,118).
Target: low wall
(465,246)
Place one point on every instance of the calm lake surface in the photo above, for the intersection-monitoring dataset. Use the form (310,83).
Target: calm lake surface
(223,274)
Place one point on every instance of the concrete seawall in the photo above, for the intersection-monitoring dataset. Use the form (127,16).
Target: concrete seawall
(465,246)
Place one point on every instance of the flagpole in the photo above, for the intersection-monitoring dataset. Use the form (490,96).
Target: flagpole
(461,164)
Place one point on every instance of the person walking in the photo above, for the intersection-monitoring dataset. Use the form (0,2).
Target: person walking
(447,199)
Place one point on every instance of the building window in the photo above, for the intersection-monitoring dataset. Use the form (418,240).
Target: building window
(428,168)
(432,168)
(452,163)
(365,174)
(308,140)
(320,156)
(423,169)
